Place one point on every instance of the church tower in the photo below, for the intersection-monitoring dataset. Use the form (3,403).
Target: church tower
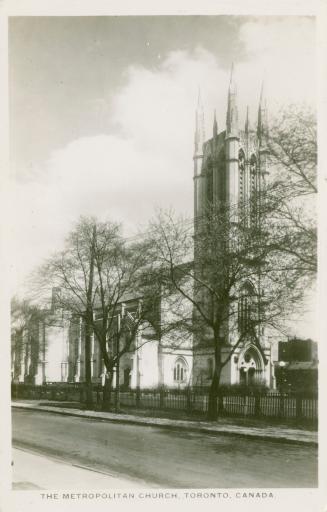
(231,165)
(198,178)
(232,140)
(229,169)
(262,135)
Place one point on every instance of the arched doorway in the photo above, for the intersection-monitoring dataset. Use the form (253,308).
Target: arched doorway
(251,366)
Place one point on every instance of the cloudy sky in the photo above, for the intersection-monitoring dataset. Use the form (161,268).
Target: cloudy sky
(102,111)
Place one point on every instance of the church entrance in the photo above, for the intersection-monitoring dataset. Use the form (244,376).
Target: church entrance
(248,376)
(251,366)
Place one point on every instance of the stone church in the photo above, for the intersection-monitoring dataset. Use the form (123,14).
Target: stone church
(230,166)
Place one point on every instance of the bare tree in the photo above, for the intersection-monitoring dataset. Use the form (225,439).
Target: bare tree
(292,144)
(235,284)
(104,281)
(290,197)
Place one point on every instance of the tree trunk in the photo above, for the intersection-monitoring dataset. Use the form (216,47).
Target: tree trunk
(215,408)
(88,326)
(107,389)
(213,396)
(88,373)
(117,390)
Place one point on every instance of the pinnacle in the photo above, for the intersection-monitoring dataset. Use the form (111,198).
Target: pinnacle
(232,83)
(247,120)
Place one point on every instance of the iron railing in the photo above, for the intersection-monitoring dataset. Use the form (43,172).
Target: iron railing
(270,405)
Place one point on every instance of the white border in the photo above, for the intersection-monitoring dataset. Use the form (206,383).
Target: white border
(285,499)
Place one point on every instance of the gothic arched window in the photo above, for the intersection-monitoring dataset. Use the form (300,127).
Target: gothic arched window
(180,370)
(241,173)
(247,309)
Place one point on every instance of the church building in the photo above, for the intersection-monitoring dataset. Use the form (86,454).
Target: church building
(229,167)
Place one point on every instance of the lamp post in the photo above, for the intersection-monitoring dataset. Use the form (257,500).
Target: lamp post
(282,365)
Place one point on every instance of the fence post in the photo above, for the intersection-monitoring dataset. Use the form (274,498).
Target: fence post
(81,394)
(138,397)
(220,404)
(161,398)
(257,410)
(298,405)
(281,405)
(246,404)
(188,399)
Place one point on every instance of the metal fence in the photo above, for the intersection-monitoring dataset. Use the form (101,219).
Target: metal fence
(270,405)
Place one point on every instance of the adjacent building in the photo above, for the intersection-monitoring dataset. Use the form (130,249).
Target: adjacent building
(297,366)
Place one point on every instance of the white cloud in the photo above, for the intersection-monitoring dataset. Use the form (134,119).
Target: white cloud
(148,163)
(284,50)
(121,177)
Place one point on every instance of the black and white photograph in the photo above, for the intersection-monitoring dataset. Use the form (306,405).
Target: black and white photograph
(163,192)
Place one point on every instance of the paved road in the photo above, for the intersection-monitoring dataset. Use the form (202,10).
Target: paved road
(167,458)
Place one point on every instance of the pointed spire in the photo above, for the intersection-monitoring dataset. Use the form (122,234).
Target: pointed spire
(247,121)
(199,98)
(262,129)
(232,113)
(215,125)
(232,83)
(199,137)
(262,93)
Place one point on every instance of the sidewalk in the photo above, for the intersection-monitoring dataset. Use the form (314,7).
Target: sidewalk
(271,433)
(51,473)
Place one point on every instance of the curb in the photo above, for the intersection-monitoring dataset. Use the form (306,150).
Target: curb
(171,426)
